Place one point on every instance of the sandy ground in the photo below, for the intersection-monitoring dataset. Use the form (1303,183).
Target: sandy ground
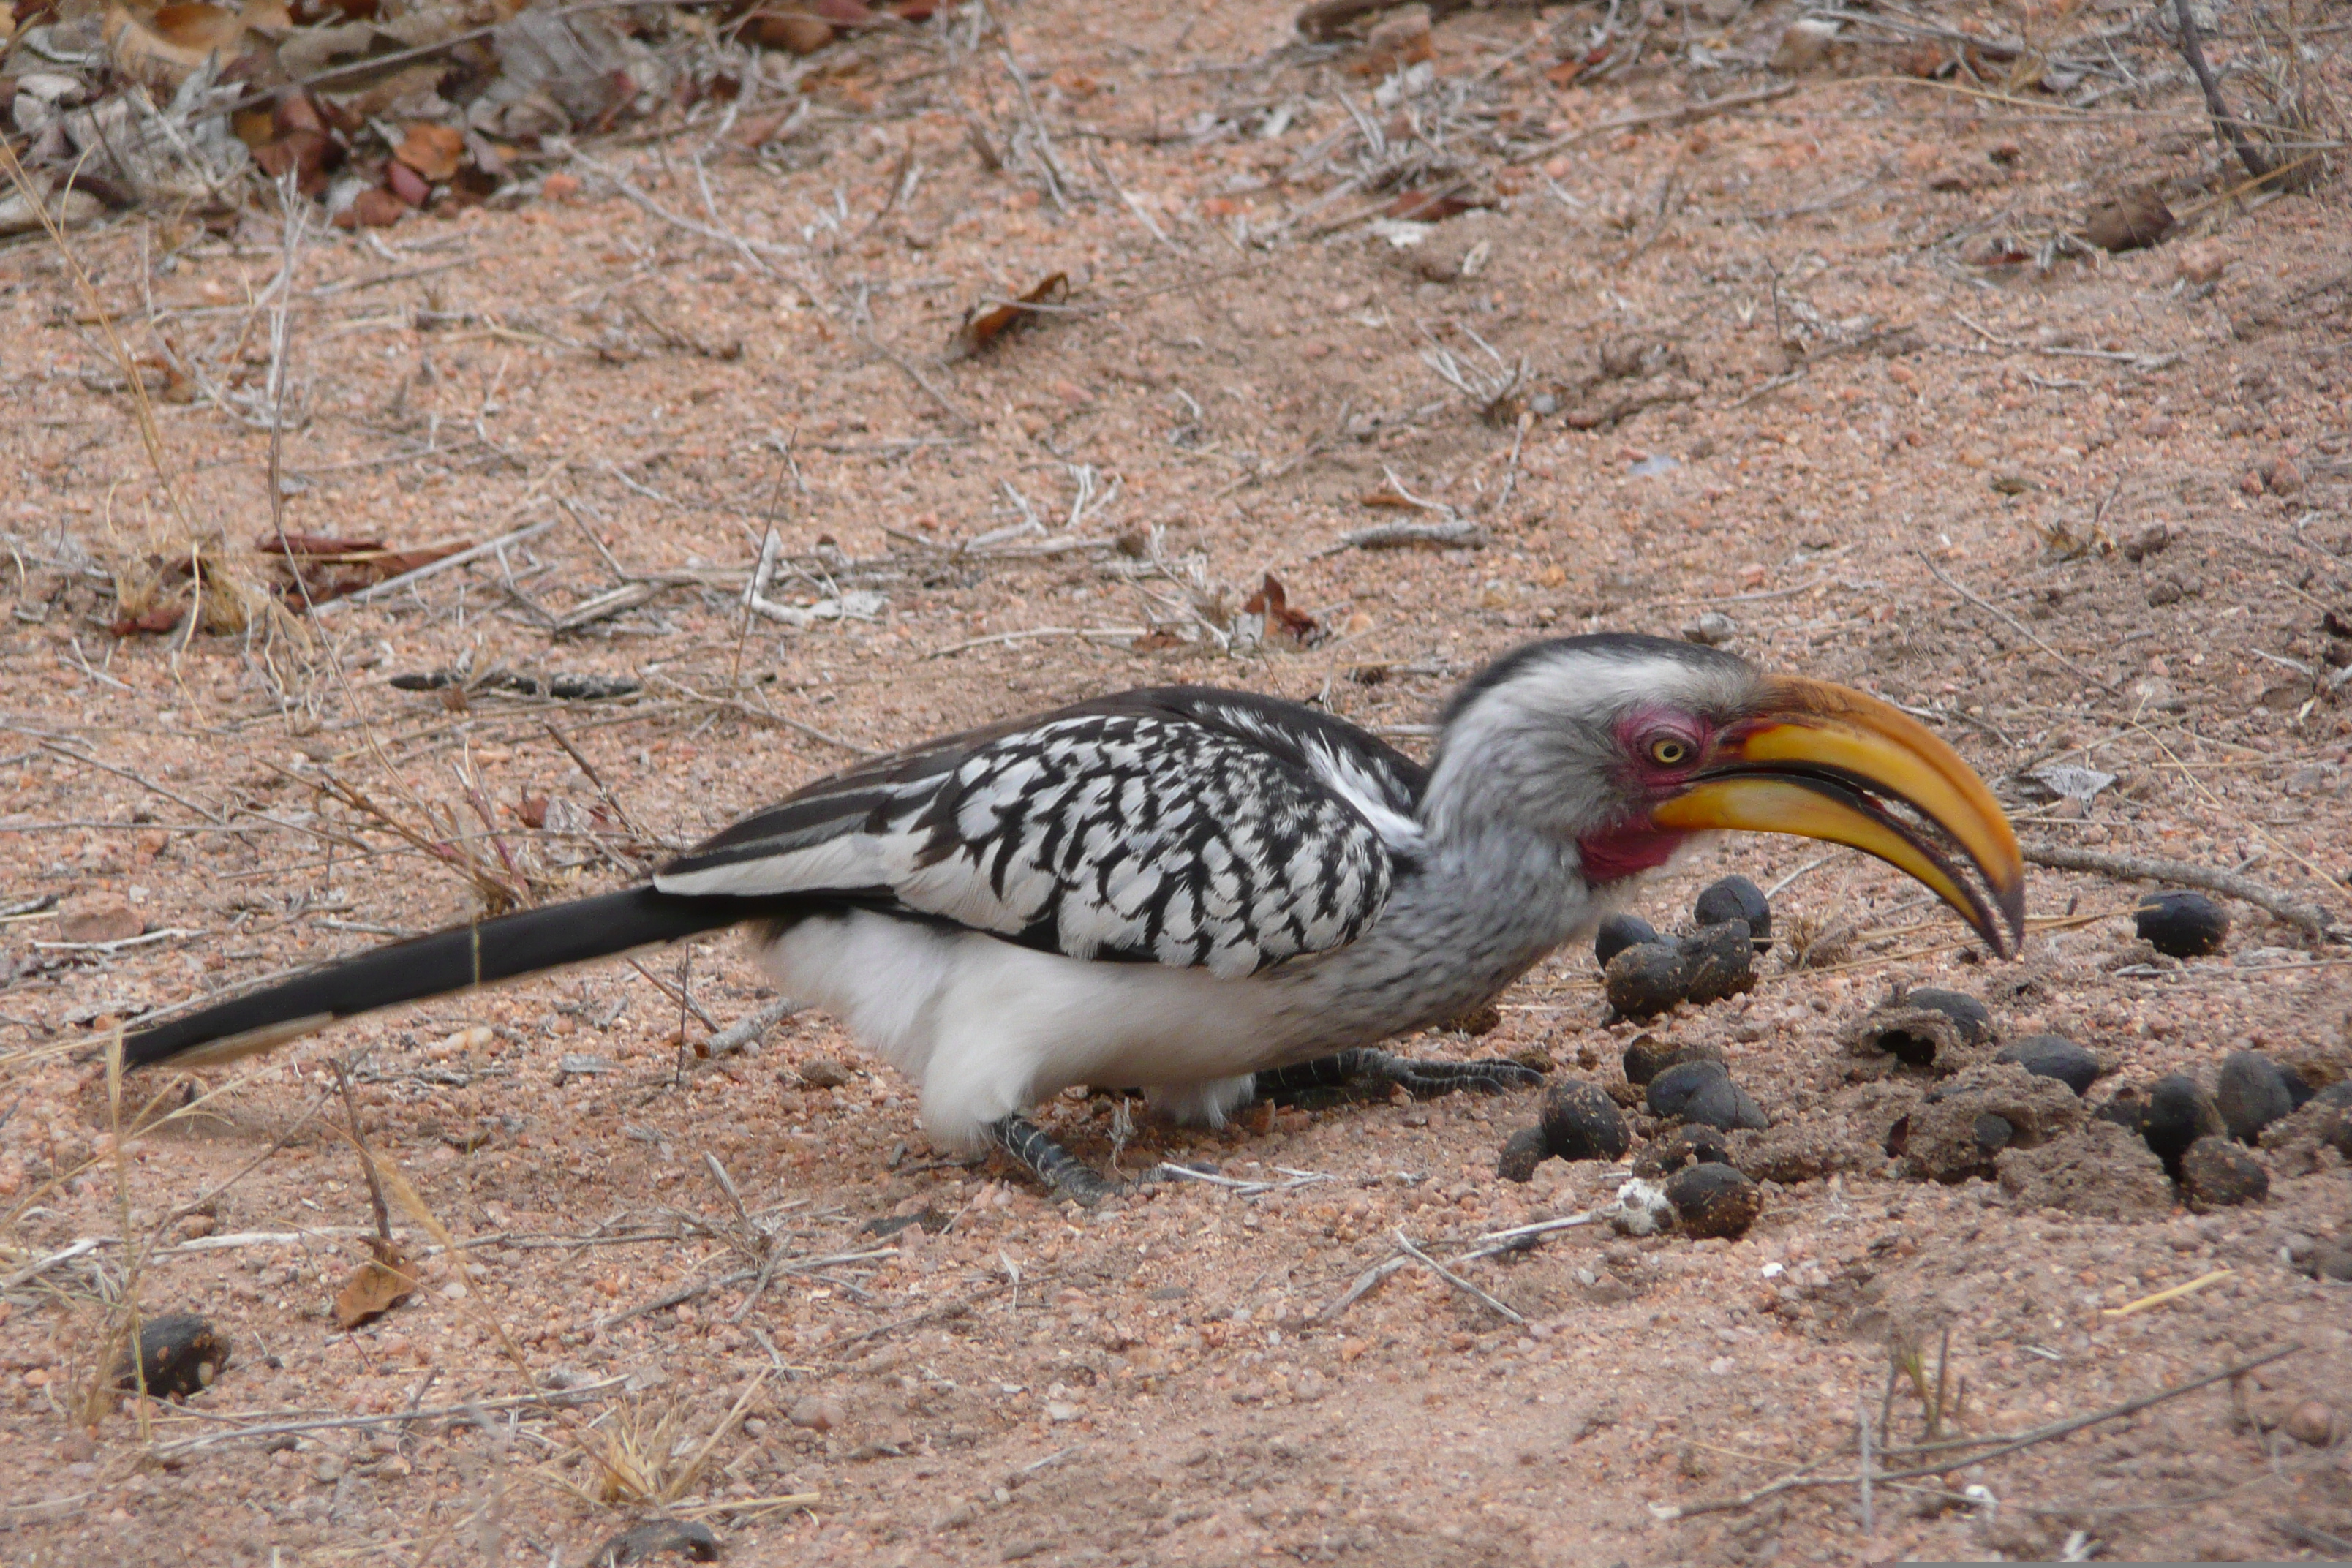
(1818,365)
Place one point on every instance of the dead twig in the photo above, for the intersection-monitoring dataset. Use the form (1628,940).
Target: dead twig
(2228,129)
(2136,867)
(2019,627)
(2002,1445)
(1459,1283)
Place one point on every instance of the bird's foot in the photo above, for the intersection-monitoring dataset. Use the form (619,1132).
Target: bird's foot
(1496,1074)
(1062,1172)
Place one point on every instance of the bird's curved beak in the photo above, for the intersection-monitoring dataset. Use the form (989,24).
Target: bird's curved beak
(1819,760)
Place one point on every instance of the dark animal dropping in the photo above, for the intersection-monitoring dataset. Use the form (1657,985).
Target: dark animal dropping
(1715,1200)
(2216,1174)
(1582,1122)
(1736,899)
(2054,1056)
(1646,1057)
(1646,979)
(2179,1113)
(1619,932)
(1692,1144)
(2251,1092)
(2181,925)
(1522,1152)
(1968,1016)
(179,1354)
(1703,1091)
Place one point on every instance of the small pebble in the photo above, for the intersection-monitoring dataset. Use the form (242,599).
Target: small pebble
(1714,1200)
(1693,1144)
(179,1354)
(1736,899)
(2181,925)
(1968,1015)
(2179,1113)
(1647,979)
(2054,1056)
(823,1072)
(1619,932)
(1703,1091)
(1582,1122)
(1647,1057)
(1522,1152)
(1992,1132)
(2217,1173)
(2311,1422)
(2251,1092)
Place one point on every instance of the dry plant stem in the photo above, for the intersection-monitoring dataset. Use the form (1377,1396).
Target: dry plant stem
(2133,868)
(1682,116)
(1459,1283)
(550,1398)
(148,434)
(2019,627)
(2002,1445)
(2228,129)
(94,1406)
(384,1241)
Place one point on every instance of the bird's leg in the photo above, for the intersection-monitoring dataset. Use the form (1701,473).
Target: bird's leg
(1493,1076)
(1051,1164)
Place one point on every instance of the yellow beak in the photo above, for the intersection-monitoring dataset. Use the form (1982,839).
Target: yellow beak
(1816,761)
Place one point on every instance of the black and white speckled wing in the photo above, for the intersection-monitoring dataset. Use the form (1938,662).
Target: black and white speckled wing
(1186,826)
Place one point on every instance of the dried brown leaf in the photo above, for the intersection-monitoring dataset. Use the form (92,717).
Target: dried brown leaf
(982,328)
(380,1284)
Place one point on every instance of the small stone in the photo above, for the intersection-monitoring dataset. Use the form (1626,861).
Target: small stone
(1582,1122)
(2054,1056)
(2217,1173)
(1646,1057)
(1992,1132)
(179,1354)
(1711,629)
(817,1414)
(98,921)
(1647,979)
(1692,1144)
(2330,1260)
(1522,1152)
(2181,925)
(2133,223)
(2311,1422)
(1703,1091)
(823,1072)
(1803,44)
(1736,899)
(2179,1114)
(1714,1200)
(1058,1411)
(2251,1092)
(1619,932)
(1718,960)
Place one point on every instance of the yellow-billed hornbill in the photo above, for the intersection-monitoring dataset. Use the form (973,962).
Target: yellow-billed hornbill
(1207,893)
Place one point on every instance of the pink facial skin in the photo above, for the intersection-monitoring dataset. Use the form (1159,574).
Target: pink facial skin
(1631,845)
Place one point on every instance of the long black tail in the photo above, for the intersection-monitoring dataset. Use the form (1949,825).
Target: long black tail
(456,960)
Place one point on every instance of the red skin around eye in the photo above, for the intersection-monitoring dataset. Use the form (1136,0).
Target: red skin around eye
(1634,846)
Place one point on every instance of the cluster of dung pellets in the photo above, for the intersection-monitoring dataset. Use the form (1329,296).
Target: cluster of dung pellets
(1647,975)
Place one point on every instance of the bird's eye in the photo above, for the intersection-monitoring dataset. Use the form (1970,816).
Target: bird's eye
(1669,752)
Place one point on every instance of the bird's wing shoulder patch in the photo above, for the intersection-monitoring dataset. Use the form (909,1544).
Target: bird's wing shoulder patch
(1119,832)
